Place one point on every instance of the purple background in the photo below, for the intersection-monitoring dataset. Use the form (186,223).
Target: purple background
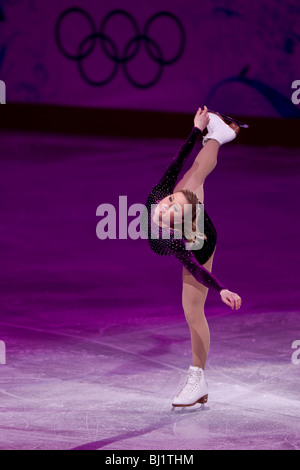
(97,343)
(241,57)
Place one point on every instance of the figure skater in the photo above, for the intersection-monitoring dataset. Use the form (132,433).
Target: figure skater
(171,221)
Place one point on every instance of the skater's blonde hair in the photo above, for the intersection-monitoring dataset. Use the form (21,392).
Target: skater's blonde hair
(187,227)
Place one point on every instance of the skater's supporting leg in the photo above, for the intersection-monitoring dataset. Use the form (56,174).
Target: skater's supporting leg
(203,165)
(193,299)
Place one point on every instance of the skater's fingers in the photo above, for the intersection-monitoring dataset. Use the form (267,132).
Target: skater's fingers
(235,301)
(226,300)
(230,300)
(239,302)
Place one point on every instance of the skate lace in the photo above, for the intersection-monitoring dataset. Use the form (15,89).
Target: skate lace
(191,383)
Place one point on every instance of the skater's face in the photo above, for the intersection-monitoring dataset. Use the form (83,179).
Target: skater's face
(172,209)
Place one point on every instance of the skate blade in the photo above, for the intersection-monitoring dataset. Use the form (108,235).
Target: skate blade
(230,119)
(187,409)
(194,406)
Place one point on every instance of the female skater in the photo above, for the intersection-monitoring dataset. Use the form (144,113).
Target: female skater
(171,222)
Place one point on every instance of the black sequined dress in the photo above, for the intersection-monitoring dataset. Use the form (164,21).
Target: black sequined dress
(164,241)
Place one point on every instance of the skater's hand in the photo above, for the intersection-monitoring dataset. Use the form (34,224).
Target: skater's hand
(202,118)
(231,298)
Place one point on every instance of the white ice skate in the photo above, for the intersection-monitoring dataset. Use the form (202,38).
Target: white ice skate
(194,391)
(219,130)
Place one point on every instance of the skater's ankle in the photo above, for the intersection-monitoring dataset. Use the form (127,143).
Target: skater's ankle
(213,140)
(197,366)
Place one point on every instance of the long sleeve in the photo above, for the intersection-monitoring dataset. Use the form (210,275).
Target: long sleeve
(187,258)
(168,181)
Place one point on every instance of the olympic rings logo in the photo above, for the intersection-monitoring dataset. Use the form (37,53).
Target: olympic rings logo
(111,50)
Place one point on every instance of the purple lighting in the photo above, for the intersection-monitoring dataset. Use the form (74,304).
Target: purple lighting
(96,338)
(107,333)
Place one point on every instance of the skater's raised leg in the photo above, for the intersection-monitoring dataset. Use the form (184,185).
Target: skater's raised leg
(219,133)
(203,165)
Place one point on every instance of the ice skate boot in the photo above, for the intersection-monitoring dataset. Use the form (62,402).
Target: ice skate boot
(219,130)
(194,391)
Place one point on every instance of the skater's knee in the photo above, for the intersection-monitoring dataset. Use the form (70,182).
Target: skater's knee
(194,313)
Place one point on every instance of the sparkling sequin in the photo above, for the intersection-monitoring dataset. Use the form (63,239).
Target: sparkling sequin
(163,241)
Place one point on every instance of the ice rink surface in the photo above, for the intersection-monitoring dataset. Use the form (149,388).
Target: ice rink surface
(96,340)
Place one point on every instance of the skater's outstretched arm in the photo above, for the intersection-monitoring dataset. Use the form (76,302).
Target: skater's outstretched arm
(168,181)
(189,261)
(202,275)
